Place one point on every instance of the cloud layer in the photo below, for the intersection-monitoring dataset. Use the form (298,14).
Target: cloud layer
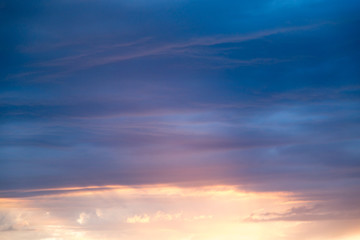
(262,96)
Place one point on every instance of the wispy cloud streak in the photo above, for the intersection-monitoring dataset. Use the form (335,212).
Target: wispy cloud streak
(92,58)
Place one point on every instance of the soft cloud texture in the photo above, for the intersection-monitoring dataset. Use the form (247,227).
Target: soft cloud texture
(259,96)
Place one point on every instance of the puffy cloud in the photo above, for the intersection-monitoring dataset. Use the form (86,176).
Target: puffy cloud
(83,218)
(138,219)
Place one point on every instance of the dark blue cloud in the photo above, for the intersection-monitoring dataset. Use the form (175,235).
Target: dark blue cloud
(260,94)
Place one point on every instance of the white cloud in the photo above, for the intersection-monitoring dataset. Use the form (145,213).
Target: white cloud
(138,219)
(83,218)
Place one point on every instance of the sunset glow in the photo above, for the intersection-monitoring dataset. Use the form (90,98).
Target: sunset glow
(179,120)
(163,212)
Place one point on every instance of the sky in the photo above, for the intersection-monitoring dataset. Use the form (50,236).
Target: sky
(180,120)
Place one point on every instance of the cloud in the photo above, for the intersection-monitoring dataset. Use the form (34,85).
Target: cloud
(107,54)
(138,219)
(98,97)
(83,218)
(134,212)
(303,213)
(18,221)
